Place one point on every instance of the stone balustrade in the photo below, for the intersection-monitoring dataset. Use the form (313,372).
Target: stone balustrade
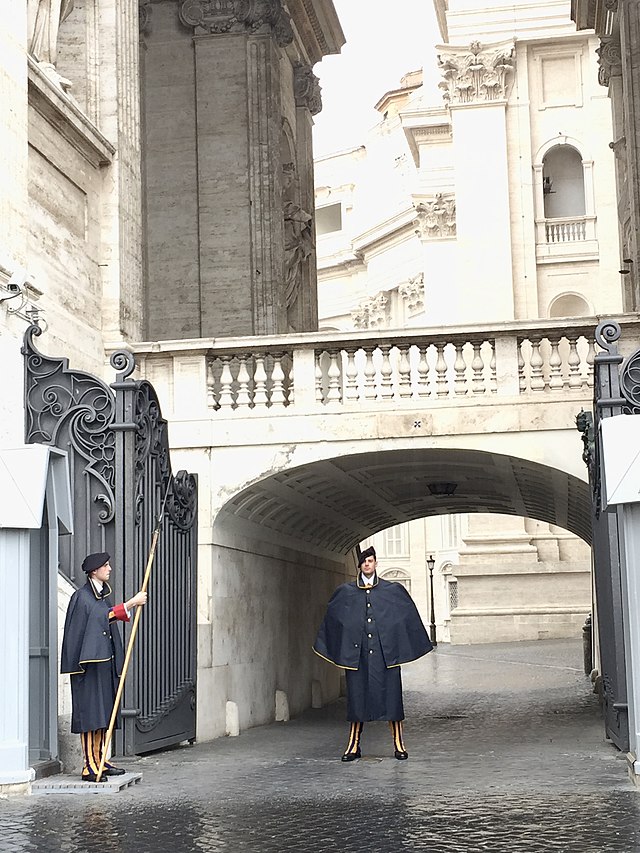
(548,360)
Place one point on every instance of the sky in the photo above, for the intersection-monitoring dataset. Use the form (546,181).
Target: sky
(384,42)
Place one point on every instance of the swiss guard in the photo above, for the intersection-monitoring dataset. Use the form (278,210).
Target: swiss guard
(370,629)
(92,656)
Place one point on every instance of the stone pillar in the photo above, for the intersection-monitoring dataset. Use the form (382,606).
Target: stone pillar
(475,87)
(303,314)
(238,124)
(119,112)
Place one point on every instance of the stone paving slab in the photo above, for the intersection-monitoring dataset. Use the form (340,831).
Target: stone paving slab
(65,784)
(507,753)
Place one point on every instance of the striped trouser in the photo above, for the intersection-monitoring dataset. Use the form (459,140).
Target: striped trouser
(92,743)
(355,733)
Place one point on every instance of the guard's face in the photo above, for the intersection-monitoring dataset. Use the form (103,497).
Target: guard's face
(368,567)
(103,573)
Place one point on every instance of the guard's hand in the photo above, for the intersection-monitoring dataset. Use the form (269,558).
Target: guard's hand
(138,599)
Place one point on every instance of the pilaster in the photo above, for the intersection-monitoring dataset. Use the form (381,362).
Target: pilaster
(475,83)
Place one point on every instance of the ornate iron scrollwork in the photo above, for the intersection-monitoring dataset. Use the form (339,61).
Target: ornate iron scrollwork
(70,407)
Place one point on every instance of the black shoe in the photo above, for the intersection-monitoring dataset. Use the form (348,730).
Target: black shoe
(351,756)
(91,777)
(401,754)
(114,771)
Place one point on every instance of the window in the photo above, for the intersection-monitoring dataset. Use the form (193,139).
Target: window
(396,541)
(563,183)
(328,219)
(452,588)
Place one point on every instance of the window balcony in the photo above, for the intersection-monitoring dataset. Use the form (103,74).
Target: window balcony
(566,239)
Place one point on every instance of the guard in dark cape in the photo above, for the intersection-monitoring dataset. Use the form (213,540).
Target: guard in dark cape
(92,655)
(370,629)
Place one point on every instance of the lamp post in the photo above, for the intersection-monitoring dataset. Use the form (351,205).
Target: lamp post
(432,628)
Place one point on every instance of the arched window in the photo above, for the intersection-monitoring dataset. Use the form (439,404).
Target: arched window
(397,576)
(563,183)
(564,200)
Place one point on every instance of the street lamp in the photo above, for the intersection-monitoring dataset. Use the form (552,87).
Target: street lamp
(432,628)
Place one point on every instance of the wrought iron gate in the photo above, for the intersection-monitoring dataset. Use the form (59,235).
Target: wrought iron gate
(120,467)
(607,538)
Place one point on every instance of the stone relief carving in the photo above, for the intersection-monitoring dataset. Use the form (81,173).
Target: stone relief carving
(609,60)
(144,16)
(43,23)
(233,16)
(306,88)
(475,74)
(298,238)
(372,313)
(412,292)
(436,219)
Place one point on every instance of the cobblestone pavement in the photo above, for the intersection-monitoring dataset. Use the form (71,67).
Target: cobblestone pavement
(507,753)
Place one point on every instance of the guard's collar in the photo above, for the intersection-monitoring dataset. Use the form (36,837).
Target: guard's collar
(361,585)
(103,593)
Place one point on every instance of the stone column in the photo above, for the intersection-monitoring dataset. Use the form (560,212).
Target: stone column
(238,124)
(475,87)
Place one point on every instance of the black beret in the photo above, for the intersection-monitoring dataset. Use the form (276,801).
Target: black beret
(368,552)
(93,561)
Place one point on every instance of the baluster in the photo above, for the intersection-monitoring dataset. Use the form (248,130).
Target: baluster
(477,365)
(243,397)
(460,369)
(319,389)
(537,376)
(369,376)
(260,383)
(575,376)
(555,365)
(211,382)
(423,372)
(591,353)
(522,378)
(226,382)
(386,382)
(351,373)
(404,372)
(441,372)
(277,378)
(493,381)
(334,394)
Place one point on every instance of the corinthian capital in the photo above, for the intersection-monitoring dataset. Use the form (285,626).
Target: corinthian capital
(306,88)
(237,16)
(476,74)
(436,218)
(609,60)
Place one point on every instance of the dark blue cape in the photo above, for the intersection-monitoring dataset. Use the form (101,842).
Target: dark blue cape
(403,637)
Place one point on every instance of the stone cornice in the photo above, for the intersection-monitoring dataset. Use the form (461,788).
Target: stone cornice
(238,16)
(318,28)
(67,118)
(306,88)
(476,74)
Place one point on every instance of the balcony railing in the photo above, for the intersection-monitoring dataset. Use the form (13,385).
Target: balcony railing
(566,230)
(327,370)
(566,236)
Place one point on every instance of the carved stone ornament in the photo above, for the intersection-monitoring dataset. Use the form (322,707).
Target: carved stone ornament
(144,16)
(238,16)
(609,60)
(475,74)
(306,88)
(436,219)
(372,313)
(412,292)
